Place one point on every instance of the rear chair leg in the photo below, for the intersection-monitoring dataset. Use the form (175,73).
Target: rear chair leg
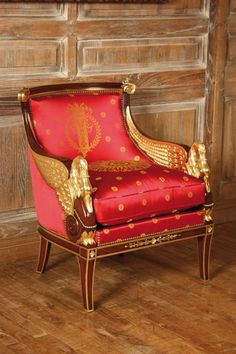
(87,270)
(44,251)
(204,249)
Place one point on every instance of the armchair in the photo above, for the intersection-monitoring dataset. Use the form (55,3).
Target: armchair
(103,188)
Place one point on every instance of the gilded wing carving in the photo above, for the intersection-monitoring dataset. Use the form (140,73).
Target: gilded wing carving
(67,185)
(197,165)
(164,153)
(54,171)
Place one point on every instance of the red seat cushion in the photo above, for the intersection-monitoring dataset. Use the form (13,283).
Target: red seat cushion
(134,190)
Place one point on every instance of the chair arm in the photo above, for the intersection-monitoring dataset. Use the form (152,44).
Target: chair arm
(163,153)
(189,160)
(69,179)
(197,164)
(74,190)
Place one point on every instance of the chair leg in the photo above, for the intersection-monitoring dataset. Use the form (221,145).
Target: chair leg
(44,251)
(204,249)
(87,270)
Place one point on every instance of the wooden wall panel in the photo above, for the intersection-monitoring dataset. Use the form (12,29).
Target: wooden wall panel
(232,49)
(229,143)
(227,191)
(127,55)
(176,122)
(170,8)
(220,133)
(227,178)
(14,172)
(47,10)
(42,57)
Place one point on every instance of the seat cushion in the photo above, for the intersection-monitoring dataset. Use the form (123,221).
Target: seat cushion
(134,190)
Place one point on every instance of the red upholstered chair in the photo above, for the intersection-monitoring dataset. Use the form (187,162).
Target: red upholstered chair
(101,187)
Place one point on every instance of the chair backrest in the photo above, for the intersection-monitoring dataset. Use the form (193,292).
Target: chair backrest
(87,121)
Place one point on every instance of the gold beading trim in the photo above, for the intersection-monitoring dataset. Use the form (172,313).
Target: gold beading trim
(153,234)
(118,166)
(96,90)
(153,241)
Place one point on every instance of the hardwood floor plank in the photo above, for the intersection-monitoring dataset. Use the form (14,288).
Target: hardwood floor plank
(146,302)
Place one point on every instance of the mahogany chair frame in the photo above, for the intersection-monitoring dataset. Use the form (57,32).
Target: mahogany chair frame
(81,225)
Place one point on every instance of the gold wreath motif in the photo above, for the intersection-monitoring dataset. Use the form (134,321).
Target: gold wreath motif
(118,166)
(82,121)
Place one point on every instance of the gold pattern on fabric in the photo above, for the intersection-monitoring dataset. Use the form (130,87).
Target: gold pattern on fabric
(118,166)
(68,185)
(152,241)
(83,131)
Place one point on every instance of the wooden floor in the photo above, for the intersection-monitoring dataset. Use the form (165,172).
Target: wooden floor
(146,302)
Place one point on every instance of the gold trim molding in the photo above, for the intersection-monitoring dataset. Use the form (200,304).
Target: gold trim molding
(153,241)
(128,87)
(118,165)
(23,95)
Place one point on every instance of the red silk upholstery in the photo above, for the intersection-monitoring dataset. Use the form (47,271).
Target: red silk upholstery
(49,211)
(90,125)
(149,226)
(136,202)
(136,195)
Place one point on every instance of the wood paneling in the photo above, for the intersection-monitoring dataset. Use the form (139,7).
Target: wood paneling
(170,8)
(34,10)
(127,55)
(220,134)
(229,142)
(176,122)
(232,49)
(42,57)
(14,173)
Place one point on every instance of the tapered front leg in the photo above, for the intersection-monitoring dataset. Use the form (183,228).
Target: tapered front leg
(44,252)
(87,270)
(204,249)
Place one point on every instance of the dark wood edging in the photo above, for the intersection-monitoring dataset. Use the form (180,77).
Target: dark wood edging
(128,245)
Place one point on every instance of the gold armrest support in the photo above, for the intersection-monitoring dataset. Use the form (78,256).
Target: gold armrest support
(163,153)
(74,192)
(197,164)
(68,184)
(192,161)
